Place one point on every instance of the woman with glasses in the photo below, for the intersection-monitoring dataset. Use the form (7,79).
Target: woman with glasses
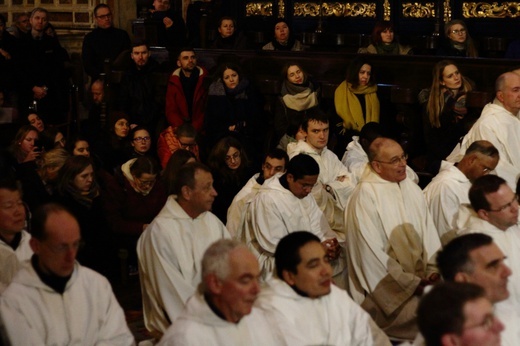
(444,116)
(141,144)
(132,200)
(458,41)
(230,168)
(78,189)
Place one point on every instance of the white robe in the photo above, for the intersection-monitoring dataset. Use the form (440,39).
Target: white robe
(10,260)
(502,129)
(276,212)
(199,325)
(392,243)
(236,214)
(333,319)
(508,241)
(355,159)
(332,203)
(170,251)
(87,313)
(444,195)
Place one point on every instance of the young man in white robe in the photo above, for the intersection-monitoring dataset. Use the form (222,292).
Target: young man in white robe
(221,312)
(306,306)
(494,212)
(14,239)
(449,189)
(53,300)
(335,183)
(458,314)
(499,124)
(275,162)
(475,258)
(284,205)
(171,247)
(391,241)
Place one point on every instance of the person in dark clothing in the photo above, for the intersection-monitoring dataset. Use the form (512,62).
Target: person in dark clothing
(458,41)
(228,37)
(171,30)
(104,42)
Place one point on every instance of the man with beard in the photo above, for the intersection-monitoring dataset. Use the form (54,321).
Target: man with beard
(186,96)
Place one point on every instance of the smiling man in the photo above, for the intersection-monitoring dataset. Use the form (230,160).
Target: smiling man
(335,183)
(171,247)
(306,306)
(392,241)
(284,205)
(53,300)
(221,312)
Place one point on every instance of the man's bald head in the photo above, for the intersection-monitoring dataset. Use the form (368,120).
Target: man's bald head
(388,159)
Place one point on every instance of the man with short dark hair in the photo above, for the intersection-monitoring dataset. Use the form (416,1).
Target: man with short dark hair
(391,240)
(21,25)
(186,96)
(103,43)
(221,312)
(335,183)
(171,247)
(499,124)
(476,259)
(14,239)
(449,189)
(53,299)
(494,212)
(141,96)
(284,205)
(306,306)
(274,163)
(458,314)
(173,139)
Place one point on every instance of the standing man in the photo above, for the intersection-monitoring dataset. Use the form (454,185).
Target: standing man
(449,189)
(392,241)
(170,249)
(304,288)
(53,300)
(475,258)
(499,124)
(335,183)
(102,43)
(186,96)
(221,312)
(14,239)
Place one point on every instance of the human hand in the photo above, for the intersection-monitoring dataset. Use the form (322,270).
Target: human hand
(5,54)
(167,22)
(332,248)
(39,92)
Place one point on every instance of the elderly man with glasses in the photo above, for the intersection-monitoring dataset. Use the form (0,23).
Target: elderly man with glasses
(392,241)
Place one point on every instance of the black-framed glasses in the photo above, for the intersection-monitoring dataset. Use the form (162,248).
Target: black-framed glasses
(396,161)
(505,206)
(486,324)
(105,16)
(142,139)
(187,146)
(234,157)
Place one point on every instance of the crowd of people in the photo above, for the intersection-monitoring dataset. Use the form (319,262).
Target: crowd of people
(245,231)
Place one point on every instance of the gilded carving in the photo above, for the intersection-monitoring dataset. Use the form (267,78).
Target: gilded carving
(490,10)
(386,10)
(281,9)
(259,9)
(335,9)
(447,11)
(418,10)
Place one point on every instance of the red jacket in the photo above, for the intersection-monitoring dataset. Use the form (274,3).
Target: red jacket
(176,105)
(167,144)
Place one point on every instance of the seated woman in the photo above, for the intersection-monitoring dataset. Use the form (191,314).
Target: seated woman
(113,145)
(35,120)
(79,191)
(356,100)
(283,40)
(24,147)
(173,139)
(384,42)
(78,146)
(228,37)
(132,200)
(458,41)
(234,108)
(445,120)
(141,143)
(230,167)
(51,138)
(298,94)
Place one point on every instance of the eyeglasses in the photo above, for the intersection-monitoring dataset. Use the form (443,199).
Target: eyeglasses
(233,157)
(142,139)
(63,248)
(458,32)
(508,205)
(396,161)
(187,146)
(144,183)
(488,322)
(105,16)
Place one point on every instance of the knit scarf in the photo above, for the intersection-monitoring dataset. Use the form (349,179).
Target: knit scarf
(287,45)
(299,97)
(85,199)
(392,48)
(349,108)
